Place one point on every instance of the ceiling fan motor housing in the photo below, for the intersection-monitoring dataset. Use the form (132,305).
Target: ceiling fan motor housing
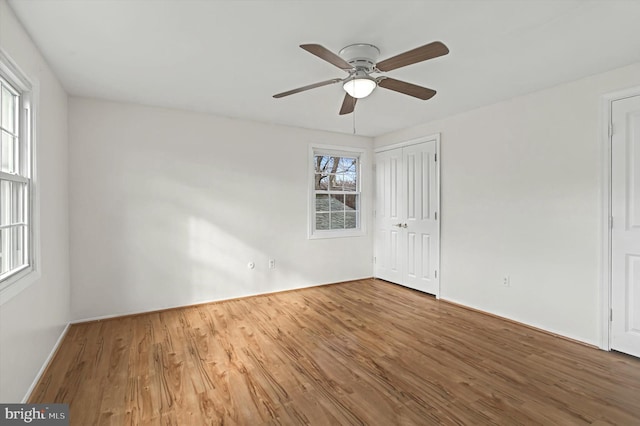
(361,56)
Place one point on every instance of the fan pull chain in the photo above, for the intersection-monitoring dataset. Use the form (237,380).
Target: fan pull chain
(354,121)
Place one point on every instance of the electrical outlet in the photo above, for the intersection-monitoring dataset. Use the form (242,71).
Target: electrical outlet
(272,264)
(506,281)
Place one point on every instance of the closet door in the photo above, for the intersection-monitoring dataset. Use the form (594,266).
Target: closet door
(625,232)
(389,217)
(407,244)
(422,230)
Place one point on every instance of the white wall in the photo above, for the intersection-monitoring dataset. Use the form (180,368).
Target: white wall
(32,321)
(168,207)
(521,196)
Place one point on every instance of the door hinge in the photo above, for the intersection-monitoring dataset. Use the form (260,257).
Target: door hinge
(610,222)
(374,260)
(374,213)
(611,315)
(435,158)
(610,130)
(435,273)
(436,215)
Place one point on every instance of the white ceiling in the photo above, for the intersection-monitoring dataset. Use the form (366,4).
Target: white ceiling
(229,57)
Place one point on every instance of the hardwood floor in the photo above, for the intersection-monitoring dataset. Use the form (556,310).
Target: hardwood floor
(363,352)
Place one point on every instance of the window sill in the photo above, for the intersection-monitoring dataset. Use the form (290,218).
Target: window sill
(318,235)
(17,283)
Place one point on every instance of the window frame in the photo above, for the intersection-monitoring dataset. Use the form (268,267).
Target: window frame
(19,279)
(341,151)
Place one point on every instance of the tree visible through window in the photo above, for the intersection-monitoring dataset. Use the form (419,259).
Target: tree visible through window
(336,192)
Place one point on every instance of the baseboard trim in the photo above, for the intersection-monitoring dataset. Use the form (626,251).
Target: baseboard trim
(531,327)
(45,365)
(206,302)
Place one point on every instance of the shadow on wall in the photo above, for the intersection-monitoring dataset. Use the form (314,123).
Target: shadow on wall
(182,231)
(196,236)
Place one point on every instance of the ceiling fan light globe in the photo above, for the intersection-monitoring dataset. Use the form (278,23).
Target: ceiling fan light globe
(359,87)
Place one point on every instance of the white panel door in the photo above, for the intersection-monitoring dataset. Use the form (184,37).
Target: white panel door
(388,221)
(421,231)
(407,246)
(625,235)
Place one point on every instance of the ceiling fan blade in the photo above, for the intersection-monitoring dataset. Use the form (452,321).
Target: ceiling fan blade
(309,87)
(348,105)
(406,88)
(327,55)
(419,54)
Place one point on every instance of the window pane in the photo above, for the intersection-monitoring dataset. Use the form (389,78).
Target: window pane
(337,220)
(335,184)
(5,265)
(323,163)
(350,180)
(346,164)
(345,182)
(18,240)
(12,248)
(337,202)
(7,153)
(322,202)
(351,220)
(5,202)
(8,110)
(322,221)
(322,182)
(351,202)
(12,202)
(17,208)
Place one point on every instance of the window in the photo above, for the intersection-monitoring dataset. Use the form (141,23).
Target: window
(336,198)
(16,187)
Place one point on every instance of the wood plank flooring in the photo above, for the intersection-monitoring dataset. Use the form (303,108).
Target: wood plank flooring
(363,352)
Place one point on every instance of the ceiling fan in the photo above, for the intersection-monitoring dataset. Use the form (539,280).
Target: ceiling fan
(359,60)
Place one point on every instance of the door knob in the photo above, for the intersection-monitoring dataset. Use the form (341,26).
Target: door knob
(399,225)
(404,226)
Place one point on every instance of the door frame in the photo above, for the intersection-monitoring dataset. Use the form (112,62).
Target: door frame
(428,138)
(606,135)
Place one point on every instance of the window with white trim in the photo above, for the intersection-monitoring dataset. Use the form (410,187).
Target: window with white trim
(16,187)
(336,198)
